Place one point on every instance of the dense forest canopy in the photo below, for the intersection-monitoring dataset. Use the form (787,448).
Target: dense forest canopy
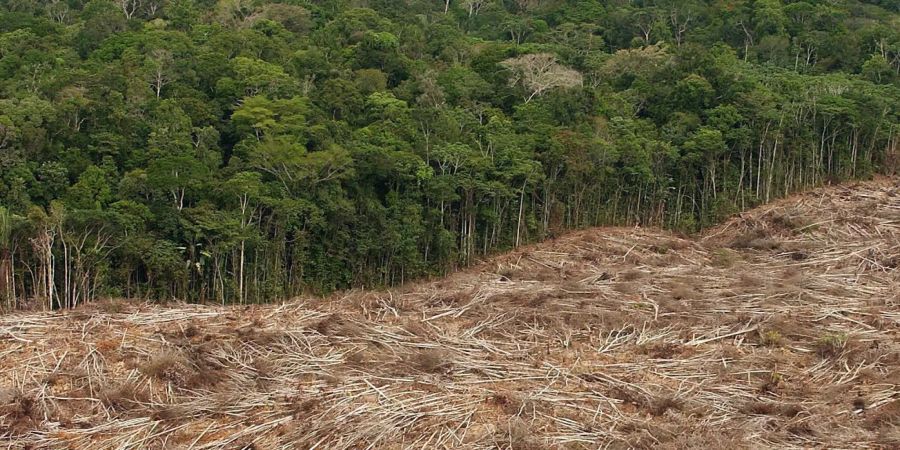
(246,150)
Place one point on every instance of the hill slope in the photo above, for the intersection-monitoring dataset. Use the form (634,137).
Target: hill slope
(778,328)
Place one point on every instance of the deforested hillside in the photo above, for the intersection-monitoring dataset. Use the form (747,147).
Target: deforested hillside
(777,329)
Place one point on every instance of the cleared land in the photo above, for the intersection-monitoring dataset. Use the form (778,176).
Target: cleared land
(777,329)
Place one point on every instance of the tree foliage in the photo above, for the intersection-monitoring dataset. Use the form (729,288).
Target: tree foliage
(243,151)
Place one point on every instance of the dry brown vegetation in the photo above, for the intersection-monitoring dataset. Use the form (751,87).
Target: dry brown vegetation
(777,329)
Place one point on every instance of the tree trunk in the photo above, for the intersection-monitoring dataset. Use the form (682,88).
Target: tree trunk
(5,281)
(241,275)
(521,211)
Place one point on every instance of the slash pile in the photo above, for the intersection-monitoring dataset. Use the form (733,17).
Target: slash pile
(778,329)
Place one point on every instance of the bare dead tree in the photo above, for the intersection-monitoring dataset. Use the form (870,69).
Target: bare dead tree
(539,73)
(748,38)
(129,7)
(646,22)
(160,74)
(680,20)
(153,7)
(473,6)
(58,11)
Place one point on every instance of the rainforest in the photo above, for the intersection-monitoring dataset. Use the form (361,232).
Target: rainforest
(243,151)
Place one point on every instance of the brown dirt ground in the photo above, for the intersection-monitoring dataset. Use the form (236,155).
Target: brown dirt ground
(777,329)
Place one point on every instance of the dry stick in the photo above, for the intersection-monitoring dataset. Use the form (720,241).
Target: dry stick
(724,336)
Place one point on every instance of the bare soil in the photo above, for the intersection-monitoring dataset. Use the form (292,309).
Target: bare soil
(777,329)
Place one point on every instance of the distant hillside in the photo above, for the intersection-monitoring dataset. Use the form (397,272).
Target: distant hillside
(778,329)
